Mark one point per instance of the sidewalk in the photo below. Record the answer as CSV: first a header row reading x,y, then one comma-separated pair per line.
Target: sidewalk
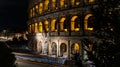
x,y
41,59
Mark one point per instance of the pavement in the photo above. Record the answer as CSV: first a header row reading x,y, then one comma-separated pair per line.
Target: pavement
x,y
57,62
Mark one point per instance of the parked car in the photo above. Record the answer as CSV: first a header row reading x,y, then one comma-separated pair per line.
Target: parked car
x,y
7,59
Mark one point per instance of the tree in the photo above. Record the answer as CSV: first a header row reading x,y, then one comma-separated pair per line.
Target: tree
x,y
107,30
7,59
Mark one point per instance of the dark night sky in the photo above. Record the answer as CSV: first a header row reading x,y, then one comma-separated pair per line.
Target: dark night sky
x,y
13,14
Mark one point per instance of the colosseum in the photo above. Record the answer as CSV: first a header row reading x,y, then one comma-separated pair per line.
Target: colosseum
x,y
57,27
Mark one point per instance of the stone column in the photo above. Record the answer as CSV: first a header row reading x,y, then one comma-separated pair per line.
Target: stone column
x,y
69,49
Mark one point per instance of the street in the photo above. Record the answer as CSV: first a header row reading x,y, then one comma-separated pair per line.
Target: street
x,y
27,63
29,60
21,63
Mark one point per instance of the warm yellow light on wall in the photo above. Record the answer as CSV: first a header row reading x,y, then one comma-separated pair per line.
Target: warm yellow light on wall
x,y
36,9
77,3
90,29
65,30
40,8
36,27
53,25
46,4
73,2
62,24
62,3
77,29
73,24
33,11
73,18
40,27
91,1
86,22
46,26
76,47
53,4
62,19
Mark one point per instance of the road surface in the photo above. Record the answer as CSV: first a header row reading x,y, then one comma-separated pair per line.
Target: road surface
x,y
26,63
27,60
21,63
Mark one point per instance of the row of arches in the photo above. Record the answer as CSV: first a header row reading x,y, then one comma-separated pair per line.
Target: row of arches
x,y
63,24
54,50
48,5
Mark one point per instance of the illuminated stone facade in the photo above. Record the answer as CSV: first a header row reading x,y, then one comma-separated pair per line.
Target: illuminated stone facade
x,y
58,26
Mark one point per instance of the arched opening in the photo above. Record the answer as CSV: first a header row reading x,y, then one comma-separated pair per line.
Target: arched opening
x,y
53,25
46,26
63,49
46,5
75,48
62,3
40,27
45,48
36,9
75,23
63,24
40,8
33,9
86,22
66,26
36,27
39,47
54,4
54,48
91,21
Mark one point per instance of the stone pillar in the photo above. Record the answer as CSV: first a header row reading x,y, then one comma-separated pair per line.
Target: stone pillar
x,y
69,49
49,43
58,49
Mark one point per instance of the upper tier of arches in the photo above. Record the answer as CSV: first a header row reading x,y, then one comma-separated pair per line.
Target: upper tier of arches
x,y
40,7
63,24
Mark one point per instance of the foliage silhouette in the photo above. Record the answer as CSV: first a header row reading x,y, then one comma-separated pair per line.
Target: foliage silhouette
x,y
7,59
106,30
